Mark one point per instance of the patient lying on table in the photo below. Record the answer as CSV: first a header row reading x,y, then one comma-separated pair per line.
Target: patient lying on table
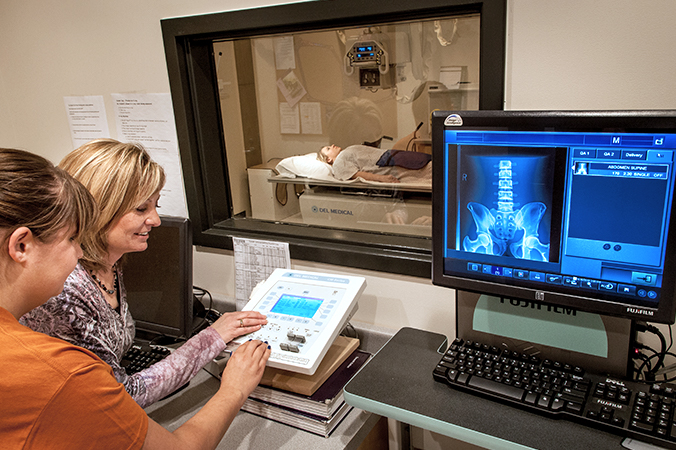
x,y
370,163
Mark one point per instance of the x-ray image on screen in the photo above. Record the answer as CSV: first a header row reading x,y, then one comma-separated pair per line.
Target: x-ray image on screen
x,y
505,201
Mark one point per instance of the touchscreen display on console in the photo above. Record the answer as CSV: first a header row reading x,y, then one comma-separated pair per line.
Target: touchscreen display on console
x,y
293,305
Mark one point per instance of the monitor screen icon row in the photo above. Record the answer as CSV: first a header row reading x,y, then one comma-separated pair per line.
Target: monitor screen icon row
x,y
563,280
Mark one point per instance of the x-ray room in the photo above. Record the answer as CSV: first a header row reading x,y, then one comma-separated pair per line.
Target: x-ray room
x,y
363,96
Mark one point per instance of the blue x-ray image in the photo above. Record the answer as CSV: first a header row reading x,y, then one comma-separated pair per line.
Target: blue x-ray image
x,y
505,198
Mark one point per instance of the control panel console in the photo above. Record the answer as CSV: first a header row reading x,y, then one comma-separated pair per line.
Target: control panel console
x,y
306,311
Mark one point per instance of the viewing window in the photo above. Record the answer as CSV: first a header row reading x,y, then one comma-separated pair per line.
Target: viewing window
x,y
257,95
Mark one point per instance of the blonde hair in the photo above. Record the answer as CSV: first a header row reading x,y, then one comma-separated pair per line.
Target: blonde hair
x,y
36,194
120,177
321,156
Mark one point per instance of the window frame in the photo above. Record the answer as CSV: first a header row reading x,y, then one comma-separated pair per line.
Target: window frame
x,y
188,43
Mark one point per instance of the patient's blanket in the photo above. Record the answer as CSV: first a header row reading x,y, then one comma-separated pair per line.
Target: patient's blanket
x,y
402,158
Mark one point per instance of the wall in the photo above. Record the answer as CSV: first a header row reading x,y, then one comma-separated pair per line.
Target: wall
x,y
561,55
78,47
591,55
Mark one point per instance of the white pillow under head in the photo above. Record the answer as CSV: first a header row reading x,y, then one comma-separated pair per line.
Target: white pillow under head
x,y
305,166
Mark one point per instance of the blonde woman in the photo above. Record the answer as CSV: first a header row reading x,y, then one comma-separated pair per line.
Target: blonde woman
x,y
92,310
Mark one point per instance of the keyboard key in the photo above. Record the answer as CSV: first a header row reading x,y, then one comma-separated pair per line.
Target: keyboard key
x,y
641,426
574,407
531,398
440,370
544,401
496,388
557,404
462,378
451,375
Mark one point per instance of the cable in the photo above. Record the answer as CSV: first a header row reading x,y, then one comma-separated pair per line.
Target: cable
x,y
199,294
350,331
646,363
666,380
646,327
653,329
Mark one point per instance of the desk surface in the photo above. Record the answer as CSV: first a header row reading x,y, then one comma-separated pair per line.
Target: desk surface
x,y
398,383
249,431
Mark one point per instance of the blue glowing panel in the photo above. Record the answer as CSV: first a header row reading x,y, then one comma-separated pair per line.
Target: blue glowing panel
x,y
293,305
505,196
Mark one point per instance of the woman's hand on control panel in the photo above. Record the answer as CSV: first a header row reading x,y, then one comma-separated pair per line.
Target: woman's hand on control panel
x,y
238,323
245,369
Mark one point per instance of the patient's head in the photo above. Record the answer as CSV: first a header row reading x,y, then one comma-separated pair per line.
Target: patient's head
x,y
328,153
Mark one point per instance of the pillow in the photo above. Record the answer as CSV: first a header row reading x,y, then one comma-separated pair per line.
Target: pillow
x,y
305,166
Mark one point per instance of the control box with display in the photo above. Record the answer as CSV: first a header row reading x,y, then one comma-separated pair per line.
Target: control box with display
x,y
306,311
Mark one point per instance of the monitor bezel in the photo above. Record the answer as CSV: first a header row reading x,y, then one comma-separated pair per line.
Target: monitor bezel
x,y
608,121
148,330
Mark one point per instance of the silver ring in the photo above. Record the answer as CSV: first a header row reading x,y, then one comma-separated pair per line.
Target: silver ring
x,y
241,323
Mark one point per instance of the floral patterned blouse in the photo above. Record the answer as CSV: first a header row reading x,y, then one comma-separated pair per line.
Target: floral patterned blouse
x,y
82,316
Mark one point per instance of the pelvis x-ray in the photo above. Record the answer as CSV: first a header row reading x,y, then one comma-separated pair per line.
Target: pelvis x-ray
x,y
504,202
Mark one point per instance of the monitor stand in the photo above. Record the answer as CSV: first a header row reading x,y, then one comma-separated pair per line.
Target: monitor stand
x,y
596,342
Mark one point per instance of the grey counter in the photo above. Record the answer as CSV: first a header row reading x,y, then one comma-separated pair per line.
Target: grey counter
x,y
397,383
252,432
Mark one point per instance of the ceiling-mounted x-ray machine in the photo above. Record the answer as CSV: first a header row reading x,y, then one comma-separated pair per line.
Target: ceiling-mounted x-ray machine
x,y
369,54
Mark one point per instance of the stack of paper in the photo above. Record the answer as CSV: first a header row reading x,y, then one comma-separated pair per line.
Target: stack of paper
x,y
317,410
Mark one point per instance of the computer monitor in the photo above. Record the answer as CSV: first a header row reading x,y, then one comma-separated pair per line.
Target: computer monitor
x,y
574,209
159,282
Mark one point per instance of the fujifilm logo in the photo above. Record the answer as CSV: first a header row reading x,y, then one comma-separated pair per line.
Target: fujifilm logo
x,y
610,404
641,312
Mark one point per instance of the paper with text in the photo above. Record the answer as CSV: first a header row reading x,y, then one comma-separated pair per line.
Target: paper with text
x,y
86,118
149,120
255,260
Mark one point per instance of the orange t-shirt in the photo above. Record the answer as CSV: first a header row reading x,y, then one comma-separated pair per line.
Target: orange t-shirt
x,y
57,395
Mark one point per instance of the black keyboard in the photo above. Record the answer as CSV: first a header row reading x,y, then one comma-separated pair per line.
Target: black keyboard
x,y
628,408
139,357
